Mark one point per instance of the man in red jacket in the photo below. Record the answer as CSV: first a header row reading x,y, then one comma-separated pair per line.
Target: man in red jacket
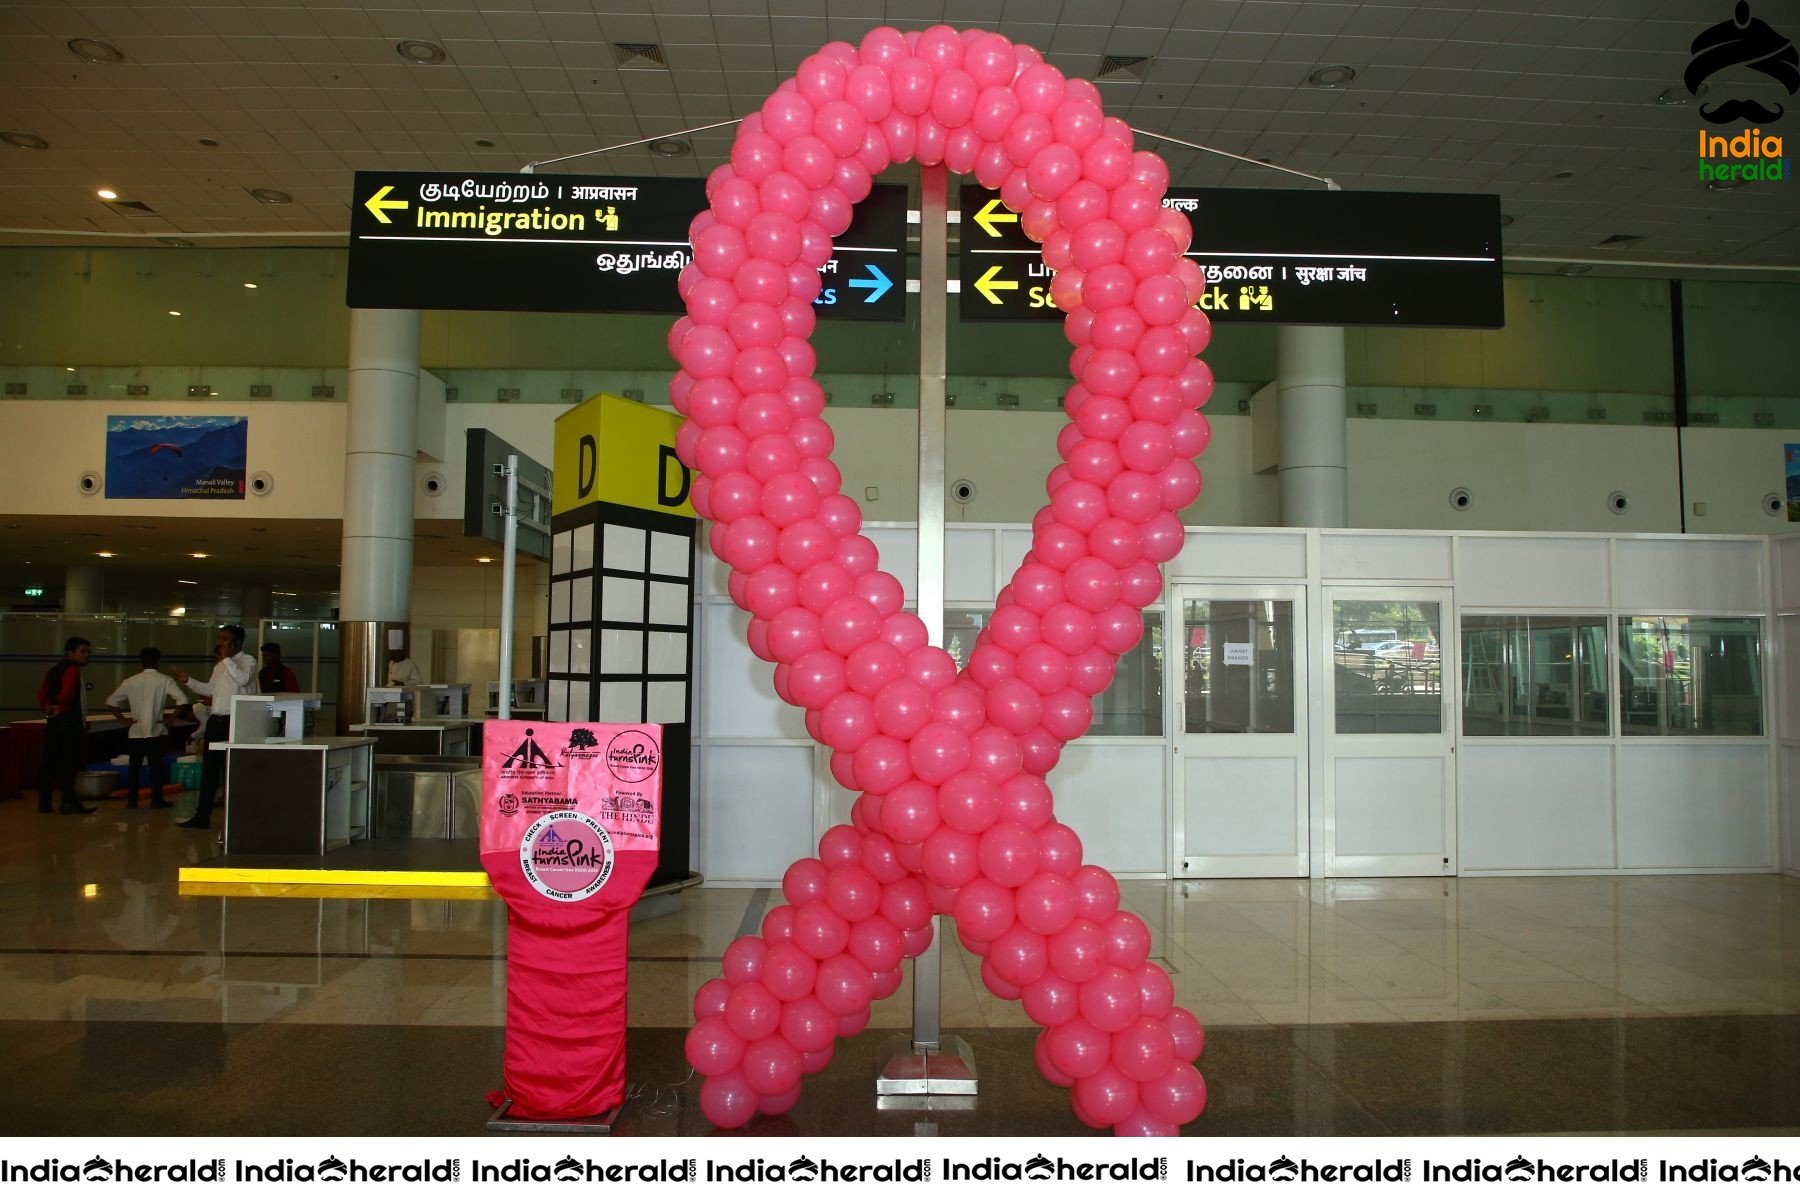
x,y
63,697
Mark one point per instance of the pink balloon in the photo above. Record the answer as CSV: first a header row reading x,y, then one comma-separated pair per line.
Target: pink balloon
x,y
808,1025
995,753
881,764
709,1000
994,981
1019,956
1190,1038
853,893
902,708
1040,1053
728,1100
774,1106
984,909
969,801
1110,1000
1127,940
1059,849
877,944
1046,903
777,927
937,752
712,1047
1008,854
744,959
771,1066
910,812
1107,1095
819,930
789,972
752,1012
1143,1050
1077,1048
1078,951
1096,892
844,986
805,881
1176,1097
951,857
1051,1000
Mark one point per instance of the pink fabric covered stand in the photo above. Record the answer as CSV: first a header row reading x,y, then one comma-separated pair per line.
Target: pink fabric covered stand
x,y
569,835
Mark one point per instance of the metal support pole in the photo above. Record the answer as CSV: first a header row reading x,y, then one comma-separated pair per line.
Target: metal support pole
x,y
509,573
932,1065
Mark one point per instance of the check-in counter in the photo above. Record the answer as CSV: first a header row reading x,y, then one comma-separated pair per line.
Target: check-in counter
x,y
427,796
454,738
297,797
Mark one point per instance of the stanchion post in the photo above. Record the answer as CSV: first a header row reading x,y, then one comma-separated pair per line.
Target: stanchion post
x,y
509,577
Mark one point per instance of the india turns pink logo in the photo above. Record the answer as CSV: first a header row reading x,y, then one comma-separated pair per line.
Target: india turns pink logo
x,y
954,815
566,855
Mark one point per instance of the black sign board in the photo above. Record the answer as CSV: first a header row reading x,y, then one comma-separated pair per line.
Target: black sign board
x,y
484,494
1281,257
567,243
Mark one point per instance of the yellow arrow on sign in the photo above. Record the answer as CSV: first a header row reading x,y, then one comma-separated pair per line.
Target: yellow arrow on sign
x,y
378,201
993,213
988,284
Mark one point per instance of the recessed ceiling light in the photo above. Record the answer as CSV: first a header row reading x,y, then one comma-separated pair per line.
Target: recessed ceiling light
x,y
182,242
249,285
209,141
485,143
23,140
189,582
272,195
95,51
671,147
104,554
107,194
174,312
198,554
484,560
420,53
1574,269
68,368
1334,76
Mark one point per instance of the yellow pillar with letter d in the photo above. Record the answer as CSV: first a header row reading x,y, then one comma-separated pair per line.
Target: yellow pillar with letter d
x,y
612,450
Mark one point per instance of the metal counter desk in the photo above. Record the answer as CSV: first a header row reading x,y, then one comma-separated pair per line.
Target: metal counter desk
x,y
305,797
436,736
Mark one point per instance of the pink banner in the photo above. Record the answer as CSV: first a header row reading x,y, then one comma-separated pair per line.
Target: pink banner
x,y
612,774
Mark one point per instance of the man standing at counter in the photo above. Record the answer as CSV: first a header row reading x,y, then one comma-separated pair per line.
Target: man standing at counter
x,y
63,697
233,674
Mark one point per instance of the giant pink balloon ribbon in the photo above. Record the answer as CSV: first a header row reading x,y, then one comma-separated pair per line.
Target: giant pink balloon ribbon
x,y
954,815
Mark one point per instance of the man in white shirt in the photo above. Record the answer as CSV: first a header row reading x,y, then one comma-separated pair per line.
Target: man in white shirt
x,y
140,700
233,674
403,671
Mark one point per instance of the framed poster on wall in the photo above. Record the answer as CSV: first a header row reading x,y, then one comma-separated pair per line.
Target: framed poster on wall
x,y
176,458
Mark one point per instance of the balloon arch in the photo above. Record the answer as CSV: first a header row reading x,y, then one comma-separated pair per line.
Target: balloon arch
x,y
954,815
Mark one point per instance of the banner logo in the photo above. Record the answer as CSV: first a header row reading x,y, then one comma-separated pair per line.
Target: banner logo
x,y
566,855
631,756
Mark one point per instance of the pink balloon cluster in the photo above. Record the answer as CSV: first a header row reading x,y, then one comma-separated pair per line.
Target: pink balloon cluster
x,y
953,816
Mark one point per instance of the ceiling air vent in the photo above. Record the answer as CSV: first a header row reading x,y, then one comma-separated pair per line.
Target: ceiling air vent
x,y
1620,240
1125,67
639,56
131,208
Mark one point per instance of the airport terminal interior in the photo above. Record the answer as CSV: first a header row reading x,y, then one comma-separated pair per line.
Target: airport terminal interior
x,y
1454,773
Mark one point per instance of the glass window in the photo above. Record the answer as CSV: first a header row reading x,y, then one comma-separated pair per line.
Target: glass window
x,y
1388,666
1238,666
1534,676
1131,707
1691,675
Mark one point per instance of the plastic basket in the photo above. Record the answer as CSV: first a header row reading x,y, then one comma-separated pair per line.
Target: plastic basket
x,y
185,775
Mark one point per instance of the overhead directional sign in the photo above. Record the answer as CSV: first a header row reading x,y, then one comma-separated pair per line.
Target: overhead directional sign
x,y
1281,257
567,243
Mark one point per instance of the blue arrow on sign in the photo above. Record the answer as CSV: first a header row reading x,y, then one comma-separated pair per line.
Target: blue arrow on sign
x,y
878,282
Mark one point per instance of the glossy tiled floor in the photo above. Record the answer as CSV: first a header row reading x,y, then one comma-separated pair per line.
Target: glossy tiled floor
x,y
1303,985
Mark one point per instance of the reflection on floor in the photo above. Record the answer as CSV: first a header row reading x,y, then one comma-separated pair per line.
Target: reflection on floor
x,y
1584,987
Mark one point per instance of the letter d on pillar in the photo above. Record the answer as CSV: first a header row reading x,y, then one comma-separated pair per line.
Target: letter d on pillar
x,y
664,496
588,464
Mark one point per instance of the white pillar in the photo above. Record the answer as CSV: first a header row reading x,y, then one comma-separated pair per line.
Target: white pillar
x,y
380,446
84,590
1310,381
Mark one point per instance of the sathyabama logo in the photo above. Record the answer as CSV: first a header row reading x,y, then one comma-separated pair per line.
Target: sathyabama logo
x,y
1745,41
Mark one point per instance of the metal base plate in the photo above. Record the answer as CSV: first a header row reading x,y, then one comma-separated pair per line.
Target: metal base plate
x,y
601,1125
945,1070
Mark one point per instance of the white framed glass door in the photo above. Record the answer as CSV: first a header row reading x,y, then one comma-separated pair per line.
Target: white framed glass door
x,y
1387,762
1238,707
